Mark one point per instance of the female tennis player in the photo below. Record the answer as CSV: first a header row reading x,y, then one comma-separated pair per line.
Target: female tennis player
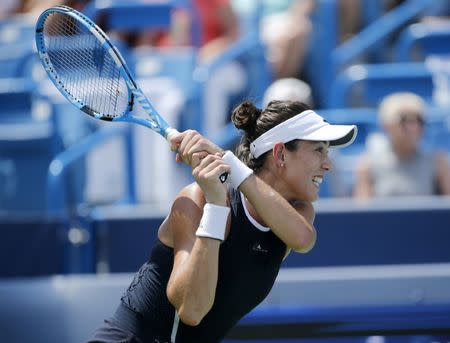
x,y
220,248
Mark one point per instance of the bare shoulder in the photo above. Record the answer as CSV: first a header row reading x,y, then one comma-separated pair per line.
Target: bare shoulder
x,y
192,194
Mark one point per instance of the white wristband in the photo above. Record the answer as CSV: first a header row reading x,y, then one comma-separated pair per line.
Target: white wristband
x,y
213,222
239,171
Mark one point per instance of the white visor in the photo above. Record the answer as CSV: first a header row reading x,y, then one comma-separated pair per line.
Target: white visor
x,y
308,126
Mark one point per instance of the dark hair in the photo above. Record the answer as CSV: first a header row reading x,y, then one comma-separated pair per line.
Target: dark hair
x,y
254,122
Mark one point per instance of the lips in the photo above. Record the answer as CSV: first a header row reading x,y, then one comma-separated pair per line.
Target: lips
x,y
317,180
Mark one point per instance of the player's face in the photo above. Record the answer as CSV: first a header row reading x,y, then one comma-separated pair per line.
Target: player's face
x,y
305,169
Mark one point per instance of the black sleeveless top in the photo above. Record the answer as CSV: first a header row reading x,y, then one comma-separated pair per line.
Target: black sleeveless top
x,y
249,261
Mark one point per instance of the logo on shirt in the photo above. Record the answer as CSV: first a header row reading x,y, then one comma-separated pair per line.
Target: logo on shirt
x,y
258,248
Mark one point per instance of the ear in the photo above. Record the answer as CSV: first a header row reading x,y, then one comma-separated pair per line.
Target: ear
x,y
278,154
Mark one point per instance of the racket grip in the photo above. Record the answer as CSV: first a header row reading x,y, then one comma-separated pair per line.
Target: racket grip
x,y
170,132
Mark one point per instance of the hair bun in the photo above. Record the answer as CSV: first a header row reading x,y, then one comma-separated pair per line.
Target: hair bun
x,y
244,117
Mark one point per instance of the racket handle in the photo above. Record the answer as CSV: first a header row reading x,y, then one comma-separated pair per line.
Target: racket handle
x,y
170,132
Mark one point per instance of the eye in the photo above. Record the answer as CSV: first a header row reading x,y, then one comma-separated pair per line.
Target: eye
x,y
322,150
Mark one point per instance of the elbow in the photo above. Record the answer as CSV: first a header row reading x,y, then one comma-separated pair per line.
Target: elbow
x,y
190,313
305,241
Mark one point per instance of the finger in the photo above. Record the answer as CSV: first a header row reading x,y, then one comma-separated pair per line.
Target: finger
x,y
218,170
203,144
189,149
208,159
190,139
207,165
204,165
197,158
188,135
176,140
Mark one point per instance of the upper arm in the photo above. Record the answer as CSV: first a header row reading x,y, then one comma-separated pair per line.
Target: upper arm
x,y
183,221
306,209
363,182
443,173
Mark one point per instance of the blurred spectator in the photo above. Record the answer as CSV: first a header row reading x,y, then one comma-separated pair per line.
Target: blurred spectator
x,y
38,6
351,14
211,25
12,7
288,89
8,7
285,28
349,18
394,164
219,26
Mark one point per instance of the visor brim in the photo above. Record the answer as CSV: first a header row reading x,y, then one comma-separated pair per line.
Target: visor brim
x,y
339,136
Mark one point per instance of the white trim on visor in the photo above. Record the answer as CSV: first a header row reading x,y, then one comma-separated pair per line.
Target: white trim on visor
x,y
308,126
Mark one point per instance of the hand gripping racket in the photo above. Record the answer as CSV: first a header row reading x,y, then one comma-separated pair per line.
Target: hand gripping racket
x,y
89,71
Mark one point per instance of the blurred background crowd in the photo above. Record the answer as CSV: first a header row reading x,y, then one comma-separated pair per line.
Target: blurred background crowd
x,y
384,65
197,59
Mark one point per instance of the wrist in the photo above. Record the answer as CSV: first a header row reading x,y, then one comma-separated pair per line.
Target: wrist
x,y
220,203
217,198
239,171
214,222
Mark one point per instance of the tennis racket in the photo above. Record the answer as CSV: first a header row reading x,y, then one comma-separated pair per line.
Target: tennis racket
x,y
89,71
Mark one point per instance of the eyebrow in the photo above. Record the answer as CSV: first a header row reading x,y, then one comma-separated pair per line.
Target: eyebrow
x,y
326,143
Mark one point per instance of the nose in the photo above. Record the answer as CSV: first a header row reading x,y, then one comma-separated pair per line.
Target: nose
x,y
327,165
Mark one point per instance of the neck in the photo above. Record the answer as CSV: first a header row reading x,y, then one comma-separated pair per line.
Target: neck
x,y
272,178
403,151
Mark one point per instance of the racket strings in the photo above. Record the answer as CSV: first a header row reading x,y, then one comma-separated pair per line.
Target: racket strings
x,y
84,67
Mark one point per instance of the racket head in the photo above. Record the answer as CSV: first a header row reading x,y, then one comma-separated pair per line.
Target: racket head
x,y
83,64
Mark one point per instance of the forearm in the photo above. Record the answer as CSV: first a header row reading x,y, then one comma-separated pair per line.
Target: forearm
x,y
282,218
363,191
363,187
443,173
192,288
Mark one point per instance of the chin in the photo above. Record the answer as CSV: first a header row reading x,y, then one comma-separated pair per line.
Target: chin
x,y
310,197
314,198
314,195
